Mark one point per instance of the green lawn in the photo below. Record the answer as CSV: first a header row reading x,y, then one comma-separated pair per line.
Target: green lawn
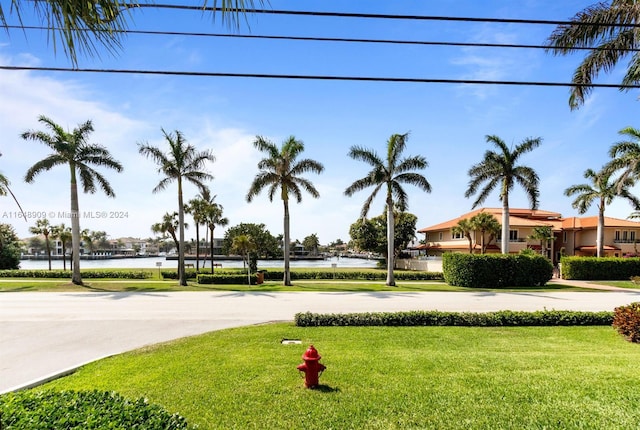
x,y
386,378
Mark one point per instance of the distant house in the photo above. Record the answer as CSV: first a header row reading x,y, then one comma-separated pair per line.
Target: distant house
x,y
572,236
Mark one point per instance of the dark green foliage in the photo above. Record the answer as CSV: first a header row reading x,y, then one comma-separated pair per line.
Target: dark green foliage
x,y
225,279
371,234
626,319
604,268
275,275
93,274
496,270
83,410
173,274
464,319
9,248
267,245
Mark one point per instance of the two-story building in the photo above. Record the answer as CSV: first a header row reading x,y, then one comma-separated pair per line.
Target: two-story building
x,y
571,236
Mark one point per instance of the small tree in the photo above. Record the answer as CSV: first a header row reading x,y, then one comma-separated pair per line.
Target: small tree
x,y
9,248
544,234
244,245
464,227
44,228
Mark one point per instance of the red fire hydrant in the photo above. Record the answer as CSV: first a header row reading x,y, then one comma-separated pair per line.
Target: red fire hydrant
x,y
311,367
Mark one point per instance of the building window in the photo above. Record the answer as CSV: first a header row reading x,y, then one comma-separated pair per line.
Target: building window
x,y
632,236
625,236
564,236
513,235
617,236
440,236
457,235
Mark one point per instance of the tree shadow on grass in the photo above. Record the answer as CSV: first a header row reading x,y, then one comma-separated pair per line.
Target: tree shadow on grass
x,y
17,289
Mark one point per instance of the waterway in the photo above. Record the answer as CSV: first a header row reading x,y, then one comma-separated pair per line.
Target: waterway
x,y
154,262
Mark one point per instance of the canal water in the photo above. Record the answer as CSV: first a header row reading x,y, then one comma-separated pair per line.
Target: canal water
x,y
154,262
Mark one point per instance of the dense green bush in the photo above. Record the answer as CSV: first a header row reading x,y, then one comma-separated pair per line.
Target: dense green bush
x,y
89,274
496,270
173,274
361,275
604,268
626,319
225,279
83,410
466,319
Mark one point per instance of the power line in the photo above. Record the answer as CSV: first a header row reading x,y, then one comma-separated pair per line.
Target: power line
x,y
376,16
333,39
315,77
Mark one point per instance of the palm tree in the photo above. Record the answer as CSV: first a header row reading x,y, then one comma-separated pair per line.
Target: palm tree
x,y
544,234
4,190
63,234
212,217
74,150
168,226
601,190
500,169
485,223
464,227
78,25
625,156
389,173
182,163
311,243
610,30
243,245
281,170
196,207
44,228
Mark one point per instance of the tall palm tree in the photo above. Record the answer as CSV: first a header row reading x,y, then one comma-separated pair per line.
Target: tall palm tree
x,y
389,173
182,163
485,223
82,26
43,227
212,218
281,170
464,227
499,168
73,150
168,226
63,234
609,44
601,190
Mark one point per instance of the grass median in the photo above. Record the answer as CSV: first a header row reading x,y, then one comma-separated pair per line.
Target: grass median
x,y
385,378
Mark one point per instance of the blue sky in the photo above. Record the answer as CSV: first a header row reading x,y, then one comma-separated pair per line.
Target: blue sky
x,y
447,122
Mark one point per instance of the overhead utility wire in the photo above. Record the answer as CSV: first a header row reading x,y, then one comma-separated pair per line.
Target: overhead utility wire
x,y
375,15
315,77
336,39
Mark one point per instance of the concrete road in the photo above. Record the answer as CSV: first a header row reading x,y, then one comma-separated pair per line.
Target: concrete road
x,y
45,334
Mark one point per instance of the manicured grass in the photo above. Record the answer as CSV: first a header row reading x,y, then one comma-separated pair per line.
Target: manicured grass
x,y
385,378
619,284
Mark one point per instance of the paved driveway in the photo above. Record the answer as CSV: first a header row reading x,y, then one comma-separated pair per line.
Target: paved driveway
x,y
45,334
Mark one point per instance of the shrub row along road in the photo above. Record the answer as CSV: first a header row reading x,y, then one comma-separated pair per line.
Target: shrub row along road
x,y
45,334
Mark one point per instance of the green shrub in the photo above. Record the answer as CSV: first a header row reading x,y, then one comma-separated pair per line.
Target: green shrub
x,y
604,268
496,270
626,320
225,279
360,275
173,274
89,274
466,319
82,410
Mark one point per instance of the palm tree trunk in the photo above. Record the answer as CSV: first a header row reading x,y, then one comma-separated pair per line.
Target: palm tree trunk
x,y
600,230
64,256
76,278
505,224
390,242
197,247
211,228
287,275
46,239
181,275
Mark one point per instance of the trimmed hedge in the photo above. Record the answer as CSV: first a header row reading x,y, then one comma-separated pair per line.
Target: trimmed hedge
x,y
496,270
626,320
72,410
364,275
464,319
89,274
604,268
225,279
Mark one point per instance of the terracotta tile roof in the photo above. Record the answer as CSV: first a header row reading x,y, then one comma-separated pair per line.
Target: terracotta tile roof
x,y
517,218
592,222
